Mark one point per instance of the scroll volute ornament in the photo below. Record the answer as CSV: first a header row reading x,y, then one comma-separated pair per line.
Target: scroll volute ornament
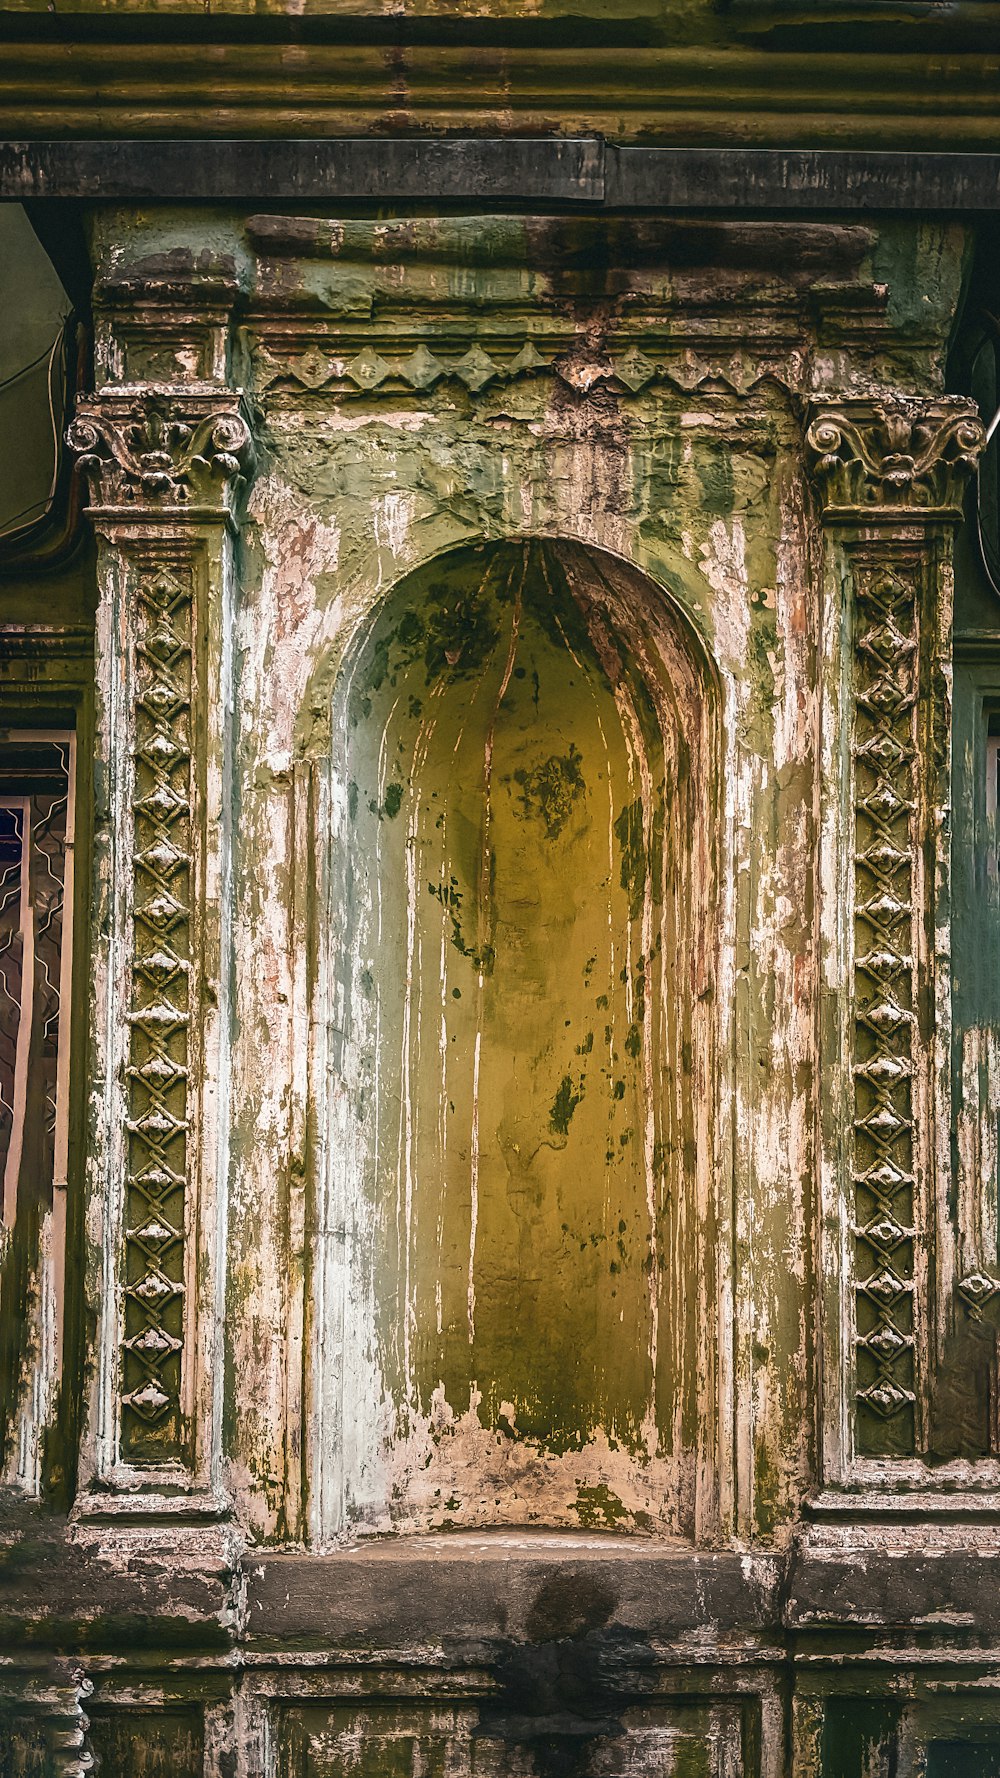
x,y
151,450
904,457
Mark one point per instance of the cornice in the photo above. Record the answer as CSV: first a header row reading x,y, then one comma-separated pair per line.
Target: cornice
x,y
168,452
475,164
65,84
894,459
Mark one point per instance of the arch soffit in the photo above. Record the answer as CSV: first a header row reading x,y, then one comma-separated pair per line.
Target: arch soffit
x,y
670,575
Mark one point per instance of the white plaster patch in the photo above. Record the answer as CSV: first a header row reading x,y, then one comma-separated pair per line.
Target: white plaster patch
x,y
724,565
392,515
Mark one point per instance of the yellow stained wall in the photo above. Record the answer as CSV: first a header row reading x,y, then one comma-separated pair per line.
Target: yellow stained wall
x,y
525,901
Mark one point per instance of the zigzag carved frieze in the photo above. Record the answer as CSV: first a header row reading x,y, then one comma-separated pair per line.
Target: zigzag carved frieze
x,y
313,369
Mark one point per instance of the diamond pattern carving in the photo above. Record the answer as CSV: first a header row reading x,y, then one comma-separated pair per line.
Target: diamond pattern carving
x,y
422,368
976,1290
890,475
884,812
166,467
159,1017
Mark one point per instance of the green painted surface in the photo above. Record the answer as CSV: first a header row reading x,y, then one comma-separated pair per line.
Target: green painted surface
x,y
975,849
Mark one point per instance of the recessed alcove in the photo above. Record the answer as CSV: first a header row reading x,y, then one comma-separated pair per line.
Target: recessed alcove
x,y
515,1289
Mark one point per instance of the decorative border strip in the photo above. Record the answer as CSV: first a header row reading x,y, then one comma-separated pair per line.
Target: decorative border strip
x,y
160,1015
885,804
311,369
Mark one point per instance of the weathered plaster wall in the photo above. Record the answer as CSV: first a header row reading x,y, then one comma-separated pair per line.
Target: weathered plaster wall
x,y
622,412
564,473
693,473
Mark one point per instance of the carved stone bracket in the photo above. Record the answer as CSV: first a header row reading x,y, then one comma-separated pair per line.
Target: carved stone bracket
x,y
152,450
891,478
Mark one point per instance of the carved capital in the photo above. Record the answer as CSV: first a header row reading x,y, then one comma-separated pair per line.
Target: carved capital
x,y
163,451
900,458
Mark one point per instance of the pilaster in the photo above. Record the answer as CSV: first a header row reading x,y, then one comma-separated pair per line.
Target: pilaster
x,y
890,478
165,465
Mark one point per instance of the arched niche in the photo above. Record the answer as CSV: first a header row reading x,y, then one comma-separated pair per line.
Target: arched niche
x,y
516,1283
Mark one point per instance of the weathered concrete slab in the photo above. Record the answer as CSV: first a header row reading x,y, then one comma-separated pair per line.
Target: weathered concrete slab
x,y
467,1595
570,170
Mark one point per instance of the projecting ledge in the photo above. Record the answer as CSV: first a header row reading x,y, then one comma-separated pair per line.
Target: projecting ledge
x,y
928,1574
466,1598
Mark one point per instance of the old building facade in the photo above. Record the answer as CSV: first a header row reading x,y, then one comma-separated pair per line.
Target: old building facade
x,y
500,921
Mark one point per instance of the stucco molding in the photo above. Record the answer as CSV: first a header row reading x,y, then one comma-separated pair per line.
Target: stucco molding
x,y
167,465
905,456
891,475
163,666
159,1018
886,793
160,450
308,371
878,463
45,1698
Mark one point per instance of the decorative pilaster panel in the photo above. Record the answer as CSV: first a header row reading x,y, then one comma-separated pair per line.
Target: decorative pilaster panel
x,y
164,472
890,477
886,798
160,1014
